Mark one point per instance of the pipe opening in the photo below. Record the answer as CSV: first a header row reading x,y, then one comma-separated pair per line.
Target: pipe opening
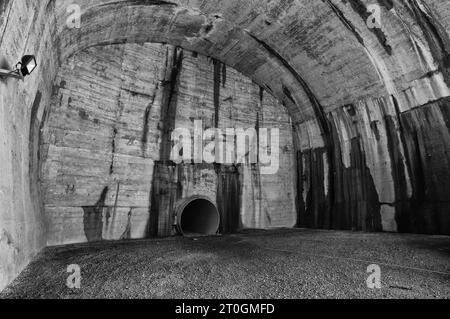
x,y
198,217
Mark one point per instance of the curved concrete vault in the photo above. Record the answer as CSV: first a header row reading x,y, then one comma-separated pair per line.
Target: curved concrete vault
x,y
370,106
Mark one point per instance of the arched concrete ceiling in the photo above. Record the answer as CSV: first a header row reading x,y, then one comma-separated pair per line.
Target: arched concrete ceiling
x,y
208,34
313,55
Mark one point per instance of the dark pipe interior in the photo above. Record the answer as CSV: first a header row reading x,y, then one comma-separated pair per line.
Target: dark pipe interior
x,y
199,217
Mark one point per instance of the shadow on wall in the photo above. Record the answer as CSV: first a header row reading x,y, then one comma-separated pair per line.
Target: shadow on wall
x,y
4,64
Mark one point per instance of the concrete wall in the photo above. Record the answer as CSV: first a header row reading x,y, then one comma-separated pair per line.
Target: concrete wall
x,y
369,106
106,173
22,104
391,169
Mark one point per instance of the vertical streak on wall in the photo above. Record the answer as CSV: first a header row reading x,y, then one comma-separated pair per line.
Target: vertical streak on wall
x,y
34,142
165,173
299,202
224,75
118,115
356,204
255,168
169,99
113,150
144,138
313,210
400,183
229,197
400,169
217,70
428,153
229,182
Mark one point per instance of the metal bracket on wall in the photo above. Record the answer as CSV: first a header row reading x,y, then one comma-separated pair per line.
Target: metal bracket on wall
x,y
5,74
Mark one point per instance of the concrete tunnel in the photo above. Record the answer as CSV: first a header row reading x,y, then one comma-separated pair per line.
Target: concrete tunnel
x,y
197,216
363,115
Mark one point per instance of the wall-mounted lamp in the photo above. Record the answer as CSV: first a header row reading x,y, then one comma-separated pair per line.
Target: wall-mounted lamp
x,y
25,67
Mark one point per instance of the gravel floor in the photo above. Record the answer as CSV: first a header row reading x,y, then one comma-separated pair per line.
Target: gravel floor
x,y
275,264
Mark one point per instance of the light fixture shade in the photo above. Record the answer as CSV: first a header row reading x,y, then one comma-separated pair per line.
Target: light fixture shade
x,y
28,64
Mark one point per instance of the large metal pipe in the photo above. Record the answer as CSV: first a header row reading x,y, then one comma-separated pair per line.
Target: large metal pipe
x,y
197,216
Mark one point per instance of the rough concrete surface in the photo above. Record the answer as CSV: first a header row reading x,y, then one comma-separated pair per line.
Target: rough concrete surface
x,y
367,108
254,264
104,144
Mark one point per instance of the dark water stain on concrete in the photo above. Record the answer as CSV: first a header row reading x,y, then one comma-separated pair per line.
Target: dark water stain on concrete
x,y
167,189
351,202
256,182
288,94
229,197
93,218
154,209
375,130
224,74
144,138
311,179
257,193
113,151
164,170
404,209
34,141
356,205
299,202
35,106
428,156
445,110
174,63
216,92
